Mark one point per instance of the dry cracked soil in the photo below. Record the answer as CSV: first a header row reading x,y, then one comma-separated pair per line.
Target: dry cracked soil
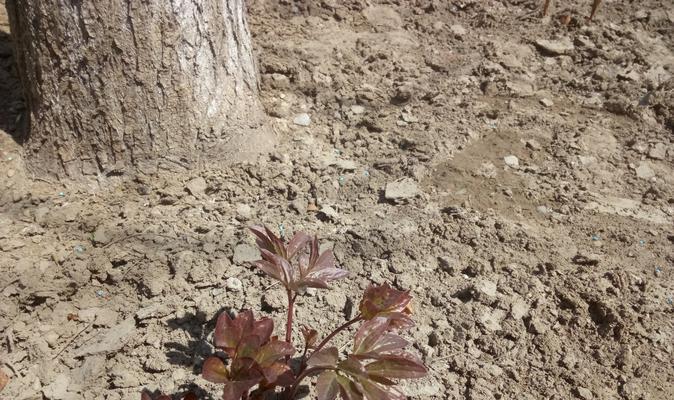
x,y
515,173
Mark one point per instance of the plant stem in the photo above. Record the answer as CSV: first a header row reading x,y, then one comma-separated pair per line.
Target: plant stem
x,y
334,333
291,311
289,321
292,391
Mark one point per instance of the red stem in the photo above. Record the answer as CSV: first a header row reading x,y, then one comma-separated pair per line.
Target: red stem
x,y
296,385
325,341
289,322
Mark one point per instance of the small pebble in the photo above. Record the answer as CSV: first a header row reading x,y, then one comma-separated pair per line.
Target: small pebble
x,y
511,161
302,119
234,284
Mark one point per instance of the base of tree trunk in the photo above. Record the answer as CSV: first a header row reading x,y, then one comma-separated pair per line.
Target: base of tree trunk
x,y
125,87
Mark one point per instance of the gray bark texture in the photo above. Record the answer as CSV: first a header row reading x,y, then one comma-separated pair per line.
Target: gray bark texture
x,y
118,87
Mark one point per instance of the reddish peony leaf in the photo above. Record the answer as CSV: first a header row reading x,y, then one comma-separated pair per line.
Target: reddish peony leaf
x,y
325,260
144,395
266,240
296,244
383,300
214,370
327,387
243,369
348,389
278,373
310,336
352,366
327,274
190,396
327,357
248,347
263,328
284,267
402,366
374,391
271,269
373,339
272,351
235,390
228,333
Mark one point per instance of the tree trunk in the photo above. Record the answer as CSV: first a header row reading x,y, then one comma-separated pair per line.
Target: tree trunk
x,y
123,86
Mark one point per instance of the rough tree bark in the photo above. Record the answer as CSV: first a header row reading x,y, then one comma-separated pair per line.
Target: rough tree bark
x,y
124,86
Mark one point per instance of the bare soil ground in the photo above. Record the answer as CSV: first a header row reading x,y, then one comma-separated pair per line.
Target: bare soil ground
x,y
516,174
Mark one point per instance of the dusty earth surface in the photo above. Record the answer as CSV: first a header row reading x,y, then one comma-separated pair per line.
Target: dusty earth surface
x,y
516,174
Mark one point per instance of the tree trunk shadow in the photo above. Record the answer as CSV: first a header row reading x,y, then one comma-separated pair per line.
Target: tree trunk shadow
x,y
13,118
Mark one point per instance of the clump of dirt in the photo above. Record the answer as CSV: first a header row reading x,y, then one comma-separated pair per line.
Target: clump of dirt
x,y
515,174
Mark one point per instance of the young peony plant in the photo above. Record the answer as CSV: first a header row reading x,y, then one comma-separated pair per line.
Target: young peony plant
x,y
258,365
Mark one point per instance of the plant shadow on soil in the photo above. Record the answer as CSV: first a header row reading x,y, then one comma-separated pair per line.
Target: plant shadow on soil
x,y
197,348
195,351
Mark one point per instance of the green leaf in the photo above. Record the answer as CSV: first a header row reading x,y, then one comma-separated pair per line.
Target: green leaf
x,y
327,387
214,370
248,347
326,357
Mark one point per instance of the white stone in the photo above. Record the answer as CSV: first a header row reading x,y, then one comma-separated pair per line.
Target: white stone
x,y
196,186
458,30
302,119
234,284
644,171
555,47
245,253
401,190
511,161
